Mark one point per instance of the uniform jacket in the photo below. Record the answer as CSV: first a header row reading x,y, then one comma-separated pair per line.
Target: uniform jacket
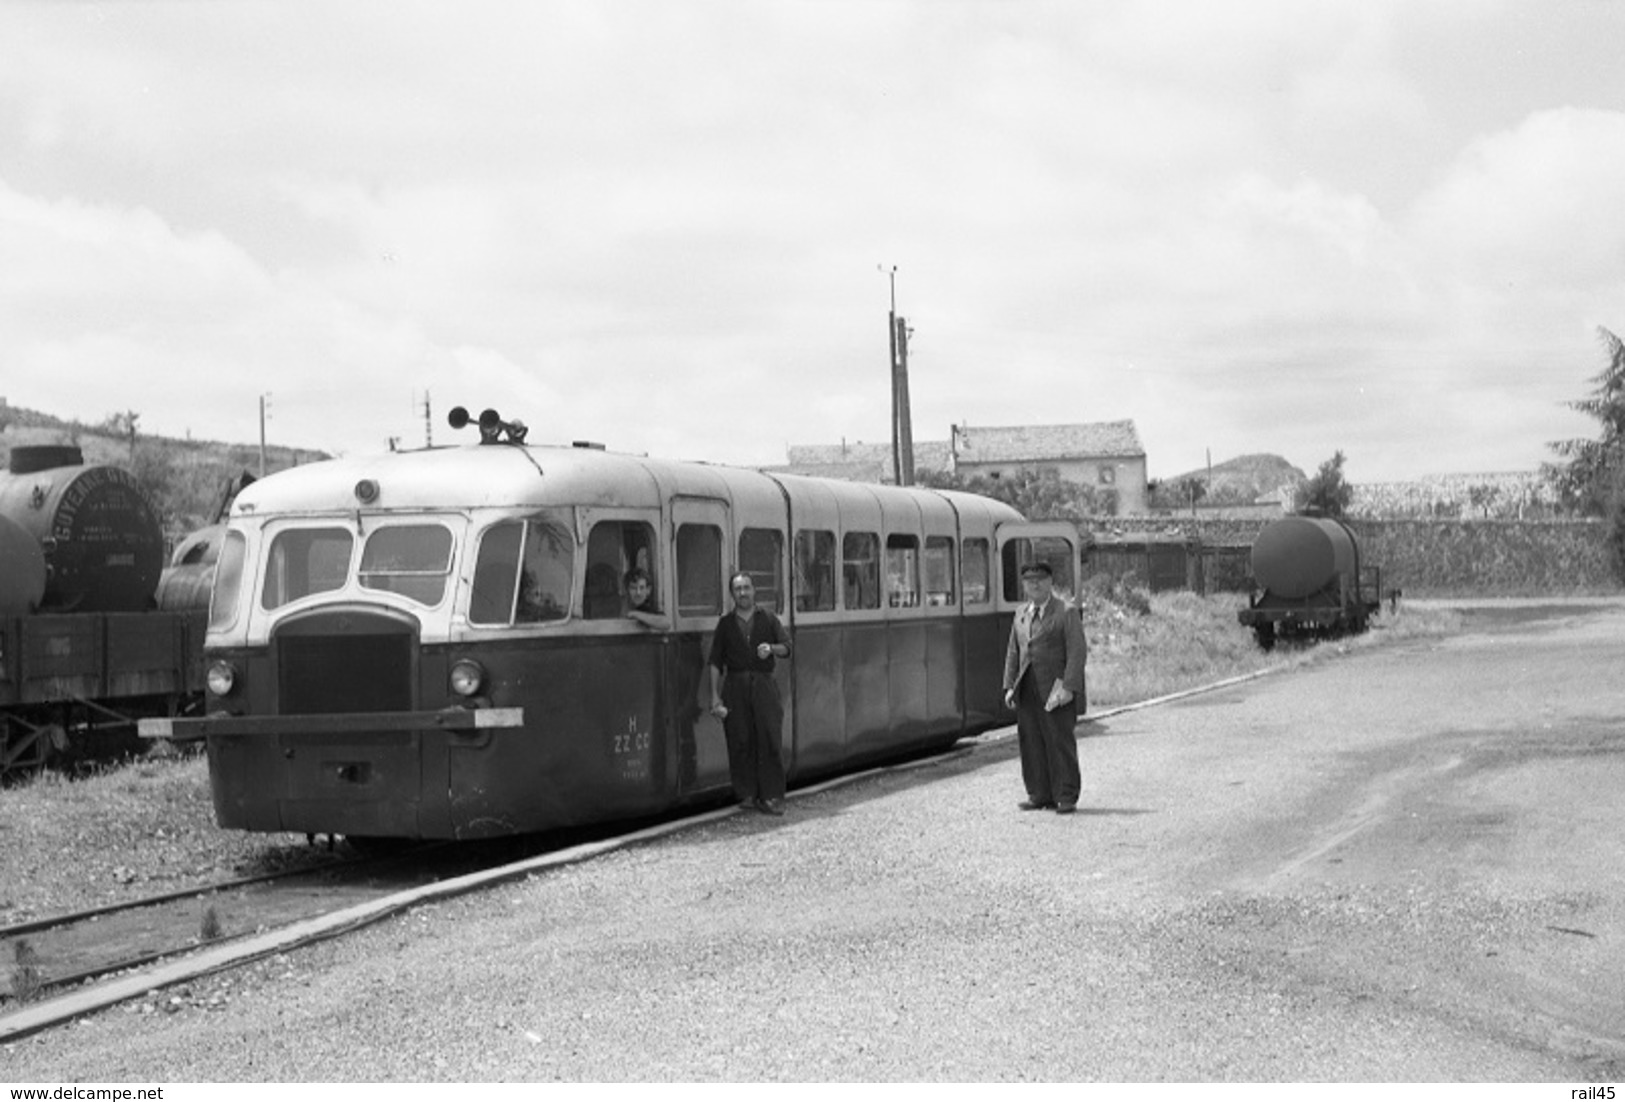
x,y
1053,647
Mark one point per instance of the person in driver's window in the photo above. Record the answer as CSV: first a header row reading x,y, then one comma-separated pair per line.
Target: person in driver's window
x,y
640,602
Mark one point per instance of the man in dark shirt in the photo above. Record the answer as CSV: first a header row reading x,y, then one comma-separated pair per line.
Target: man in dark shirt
x,y
745,698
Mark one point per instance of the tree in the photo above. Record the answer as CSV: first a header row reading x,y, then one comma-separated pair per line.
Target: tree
x,y
1190,491
1589,481
1326,492
1592,481
1036,494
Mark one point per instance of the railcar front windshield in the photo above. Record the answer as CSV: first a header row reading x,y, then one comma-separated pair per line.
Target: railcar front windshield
x,y
413,560
304,562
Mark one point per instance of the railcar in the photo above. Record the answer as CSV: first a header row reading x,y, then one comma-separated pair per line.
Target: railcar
x,y
83,650
1309,581
433,644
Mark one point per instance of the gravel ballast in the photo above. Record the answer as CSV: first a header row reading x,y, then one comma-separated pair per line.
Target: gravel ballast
x,y
1243,896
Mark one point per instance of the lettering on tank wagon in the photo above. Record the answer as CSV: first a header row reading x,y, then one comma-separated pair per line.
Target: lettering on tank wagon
x,y
632,751
92,480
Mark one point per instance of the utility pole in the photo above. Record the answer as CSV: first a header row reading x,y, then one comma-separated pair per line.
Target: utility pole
x,y
265,405
428,422
905,422
130,418
902,431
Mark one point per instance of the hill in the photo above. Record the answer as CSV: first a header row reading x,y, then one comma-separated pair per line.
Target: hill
x,y
186,479
1242,480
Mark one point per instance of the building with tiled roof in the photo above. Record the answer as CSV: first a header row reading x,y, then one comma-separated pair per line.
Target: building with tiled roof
x,y
860,462
1106,455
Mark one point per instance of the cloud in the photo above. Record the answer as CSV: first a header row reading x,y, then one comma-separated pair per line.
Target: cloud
x,y
1267,226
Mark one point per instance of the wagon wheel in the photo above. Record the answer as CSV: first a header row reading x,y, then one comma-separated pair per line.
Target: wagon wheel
x,y
24,749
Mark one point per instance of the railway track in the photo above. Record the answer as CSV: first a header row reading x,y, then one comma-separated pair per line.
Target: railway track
x,y
85,970
91,960
44,955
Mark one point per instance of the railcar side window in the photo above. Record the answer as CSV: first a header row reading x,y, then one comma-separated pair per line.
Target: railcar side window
x,y
228,582
761,556
548,568
815,571
303,561
524,571
613,548
413,560
860,570
699,570
903,571
1051,549
939,570
975,563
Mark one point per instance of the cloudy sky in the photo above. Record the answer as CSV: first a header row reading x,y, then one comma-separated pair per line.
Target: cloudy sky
x,y
1389,228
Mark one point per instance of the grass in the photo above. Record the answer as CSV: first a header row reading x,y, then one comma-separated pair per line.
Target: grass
x,y
1183,640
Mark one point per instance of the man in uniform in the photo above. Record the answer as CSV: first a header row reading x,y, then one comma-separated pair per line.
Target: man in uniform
x,y
1043,682
746,699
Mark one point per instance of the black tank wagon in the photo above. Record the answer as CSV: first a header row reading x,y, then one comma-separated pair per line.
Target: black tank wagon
x,y
1309,581
432,644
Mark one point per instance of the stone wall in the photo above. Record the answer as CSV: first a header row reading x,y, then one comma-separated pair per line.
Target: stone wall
x,y
1439,558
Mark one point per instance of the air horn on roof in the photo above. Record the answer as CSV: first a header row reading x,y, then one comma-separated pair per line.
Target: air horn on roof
x,y
492,427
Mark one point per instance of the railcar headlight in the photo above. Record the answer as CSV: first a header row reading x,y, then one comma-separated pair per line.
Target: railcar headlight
x,y
467,677
222,678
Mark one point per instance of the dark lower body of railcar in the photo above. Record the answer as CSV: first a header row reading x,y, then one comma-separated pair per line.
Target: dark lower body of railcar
x,y
613,727
1323,615
73,685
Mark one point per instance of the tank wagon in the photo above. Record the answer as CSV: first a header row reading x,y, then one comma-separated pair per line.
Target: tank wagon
x,y
83,649
433,644
102,539
1308,580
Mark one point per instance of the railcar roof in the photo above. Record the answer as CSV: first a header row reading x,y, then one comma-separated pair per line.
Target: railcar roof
x,y
503,475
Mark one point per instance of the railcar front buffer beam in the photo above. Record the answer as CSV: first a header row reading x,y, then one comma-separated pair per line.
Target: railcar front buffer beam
x,y
468,720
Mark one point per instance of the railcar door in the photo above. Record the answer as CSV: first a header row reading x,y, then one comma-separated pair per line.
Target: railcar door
x,y
1054,542
1024,542
700,538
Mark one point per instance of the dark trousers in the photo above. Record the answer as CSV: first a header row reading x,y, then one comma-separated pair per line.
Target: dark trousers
x,y
754,726
1049,745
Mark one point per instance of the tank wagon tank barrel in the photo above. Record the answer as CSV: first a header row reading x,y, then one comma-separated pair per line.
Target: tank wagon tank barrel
x,y
22,569
1309,580
101,538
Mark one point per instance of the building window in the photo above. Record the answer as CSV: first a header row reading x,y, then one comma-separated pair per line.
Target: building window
x,y
1108,476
